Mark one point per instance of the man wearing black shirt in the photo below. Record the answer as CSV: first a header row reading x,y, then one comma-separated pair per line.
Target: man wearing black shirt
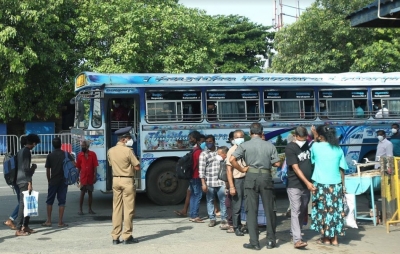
x,y
299,182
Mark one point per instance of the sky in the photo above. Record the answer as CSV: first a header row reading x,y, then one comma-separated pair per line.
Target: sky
x,y
258,11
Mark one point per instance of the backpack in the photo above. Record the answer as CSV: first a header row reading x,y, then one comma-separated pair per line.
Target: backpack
x,y
222,171
184,166
71,173
10,168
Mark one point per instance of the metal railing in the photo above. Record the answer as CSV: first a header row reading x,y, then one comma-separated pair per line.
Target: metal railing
x,y
9,144
45,146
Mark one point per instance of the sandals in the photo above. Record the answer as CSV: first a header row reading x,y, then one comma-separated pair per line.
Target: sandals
x,y
47,225
300,244
197,220
180,214
230,230
63,225
28,230
320,242
91,212
9,223
21,233
81,213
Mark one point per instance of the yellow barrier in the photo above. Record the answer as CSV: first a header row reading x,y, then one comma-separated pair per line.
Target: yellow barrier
x,y
390,190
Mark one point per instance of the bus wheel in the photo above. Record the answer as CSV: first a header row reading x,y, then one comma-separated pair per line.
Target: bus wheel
x,y
162,185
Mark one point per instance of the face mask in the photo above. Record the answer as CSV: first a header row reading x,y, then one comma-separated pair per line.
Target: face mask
x,y
380,138
322,105
129,142
238,141
210,145
84,149
394,130
203,145
219,158
300,143
116,105
376,107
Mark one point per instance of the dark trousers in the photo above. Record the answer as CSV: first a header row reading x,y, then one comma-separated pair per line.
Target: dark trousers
x,y
21,220
256,184
228,204
237,202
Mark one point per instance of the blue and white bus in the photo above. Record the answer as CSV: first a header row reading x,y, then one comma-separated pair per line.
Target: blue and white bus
x,y
164,108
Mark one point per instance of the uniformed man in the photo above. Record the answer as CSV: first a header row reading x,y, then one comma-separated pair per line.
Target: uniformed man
x,y
260,156
123,162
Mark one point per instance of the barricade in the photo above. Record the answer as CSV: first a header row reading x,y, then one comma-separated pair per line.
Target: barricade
x,y
390,190
9,144
45,147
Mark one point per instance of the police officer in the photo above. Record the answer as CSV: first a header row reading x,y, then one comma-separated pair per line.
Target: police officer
x,y
123,163
260,156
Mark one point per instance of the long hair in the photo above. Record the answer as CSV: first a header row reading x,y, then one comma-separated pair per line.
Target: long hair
x,y
329,133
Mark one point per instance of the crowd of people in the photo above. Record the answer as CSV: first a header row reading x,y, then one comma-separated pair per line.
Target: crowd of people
x,y
315,171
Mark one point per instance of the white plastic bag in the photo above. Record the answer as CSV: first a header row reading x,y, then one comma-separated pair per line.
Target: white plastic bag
x,y
350,219
31,204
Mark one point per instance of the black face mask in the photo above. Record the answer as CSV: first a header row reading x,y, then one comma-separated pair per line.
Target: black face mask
x,y
84,149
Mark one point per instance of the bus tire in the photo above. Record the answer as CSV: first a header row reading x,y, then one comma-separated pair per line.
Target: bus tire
x,y
163,186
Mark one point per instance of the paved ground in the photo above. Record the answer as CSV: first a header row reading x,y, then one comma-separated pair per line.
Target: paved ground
x,y
160,231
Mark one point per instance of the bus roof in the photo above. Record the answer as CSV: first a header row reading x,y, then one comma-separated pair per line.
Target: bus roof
x,y
97,80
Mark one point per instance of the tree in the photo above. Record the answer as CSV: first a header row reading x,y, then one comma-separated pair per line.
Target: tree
x,y
241,45
145,36
322,41
37,52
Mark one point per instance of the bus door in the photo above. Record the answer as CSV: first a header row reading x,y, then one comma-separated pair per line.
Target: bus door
x,y
122,111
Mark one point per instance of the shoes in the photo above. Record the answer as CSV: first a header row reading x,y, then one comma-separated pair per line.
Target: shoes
x,y
130,240
300,244
9,223
115,242
238,232
212,223
21,233
271,245
244,229
224,225
251,246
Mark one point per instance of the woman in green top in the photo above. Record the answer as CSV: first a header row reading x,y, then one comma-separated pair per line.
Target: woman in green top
x,y
327,216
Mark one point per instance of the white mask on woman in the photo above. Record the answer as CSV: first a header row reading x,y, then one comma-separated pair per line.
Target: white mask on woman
x,y
129,142
380,138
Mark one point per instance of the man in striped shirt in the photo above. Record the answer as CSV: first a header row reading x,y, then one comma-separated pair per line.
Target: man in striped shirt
x,y
208,172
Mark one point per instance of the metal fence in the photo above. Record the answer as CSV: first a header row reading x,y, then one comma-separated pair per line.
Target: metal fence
x,y
12,143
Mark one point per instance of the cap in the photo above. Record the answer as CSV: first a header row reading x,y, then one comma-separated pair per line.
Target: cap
x,y
124,132
230,137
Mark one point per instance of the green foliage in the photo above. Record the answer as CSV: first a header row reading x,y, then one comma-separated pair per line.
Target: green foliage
x,y
322,41
37,56
240,45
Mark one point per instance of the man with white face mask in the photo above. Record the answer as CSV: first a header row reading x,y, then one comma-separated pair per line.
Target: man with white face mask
x,y
299,182
123,163
384,148
395,139
236,182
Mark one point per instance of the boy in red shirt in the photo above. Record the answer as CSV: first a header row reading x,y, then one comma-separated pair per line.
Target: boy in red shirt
x,y
87,165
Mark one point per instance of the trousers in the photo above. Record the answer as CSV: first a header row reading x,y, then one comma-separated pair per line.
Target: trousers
x,y
21,220
124,193
299,199
237,202
256,184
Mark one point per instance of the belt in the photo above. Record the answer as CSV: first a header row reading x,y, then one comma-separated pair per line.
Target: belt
x,y
259,170
124,176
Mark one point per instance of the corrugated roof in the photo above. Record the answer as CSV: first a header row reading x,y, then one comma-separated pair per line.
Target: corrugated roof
x,y
372,5
368,16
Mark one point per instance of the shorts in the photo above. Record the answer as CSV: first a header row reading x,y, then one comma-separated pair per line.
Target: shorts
x,y
87,187
60,190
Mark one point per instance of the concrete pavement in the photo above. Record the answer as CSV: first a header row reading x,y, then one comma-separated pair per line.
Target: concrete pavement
x,y
159,230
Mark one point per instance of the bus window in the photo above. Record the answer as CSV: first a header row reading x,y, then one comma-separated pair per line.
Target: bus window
x,y
360,107
96,118
173,106
386,103
289,104
232,105
82,112
342,104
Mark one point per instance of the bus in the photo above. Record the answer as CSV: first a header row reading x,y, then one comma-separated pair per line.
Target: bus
x,y
163,109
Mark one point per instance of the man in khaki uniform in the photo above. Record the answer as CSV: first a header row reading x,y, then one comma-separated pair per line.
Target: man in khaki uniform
x,y
123,163
236,182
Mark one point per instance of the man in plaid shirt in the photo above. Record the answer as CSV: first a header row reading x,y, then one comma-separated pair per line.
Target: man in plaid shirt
x,y
209,164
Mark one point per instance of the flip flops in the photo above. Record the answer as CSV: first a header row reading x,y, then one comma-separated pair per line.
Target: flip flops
x,y
81,213
197,220
47,225
63,225
180,214
91,212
